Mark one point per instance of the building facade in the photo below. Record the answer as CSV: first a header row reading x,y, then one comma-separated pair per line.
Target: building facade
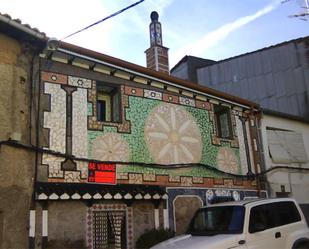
x,y
110,149
17,52
286,150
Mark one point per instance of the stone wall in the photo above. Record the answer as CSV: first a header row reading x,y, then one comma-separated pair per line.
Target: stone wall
x,y
16,165
143,213
66,223
15,195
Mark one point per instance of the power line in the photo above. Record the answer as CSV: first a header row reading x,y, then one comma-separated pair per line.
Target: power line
x,y
32,148
105,18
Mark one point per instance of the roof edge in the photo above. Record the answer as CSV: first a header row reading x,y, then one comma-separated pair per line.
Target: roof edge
x,y
157,75
285,115
24,28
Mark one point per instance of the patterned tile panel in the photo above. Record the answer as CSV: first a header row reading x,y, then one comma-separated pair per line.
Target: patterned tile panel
x,y
172,135
79,82
79,123
203,105
54,78
55,120
54,165
187,101
170,98
128,90
152,94
242,149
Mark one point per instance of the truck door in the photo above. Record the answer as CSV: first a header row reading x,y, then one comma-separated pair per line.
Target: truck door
x,y
263,231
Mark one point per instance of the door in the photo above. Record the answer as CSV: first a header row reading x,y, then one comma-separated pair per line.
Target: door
x,y
263,231
109,230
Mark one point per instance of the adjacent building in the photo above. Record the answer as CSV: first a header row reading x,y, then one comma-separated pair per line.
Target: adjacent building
x,y
276,77
286,149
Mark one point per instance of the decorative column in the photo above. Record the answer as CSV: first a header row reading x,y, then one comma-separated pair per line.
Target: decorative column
x,y
166,224
32,229
68,164
156,204
44,226
156,218
243,121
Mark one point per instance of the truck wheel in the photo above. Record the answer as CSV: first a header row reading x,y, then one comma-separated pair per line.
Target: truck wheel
x,y
302,245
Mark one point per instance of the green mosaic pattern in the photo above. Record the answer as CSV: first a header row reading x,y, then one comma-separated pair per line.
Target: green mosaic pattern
x,y
89,109
137,113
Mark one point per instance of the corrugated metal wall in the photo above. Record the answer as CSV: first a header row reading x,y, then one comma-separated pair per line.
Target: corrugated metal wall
x,y
277,77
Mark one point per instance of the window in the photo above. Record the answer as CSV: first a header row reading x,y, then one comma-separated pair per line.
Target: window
x,y
286,146
108,103
223,121
272,215
218,220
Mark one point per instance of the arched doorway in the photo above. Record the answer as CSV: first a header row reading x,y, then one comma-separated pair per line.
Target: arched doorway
x,y
184,209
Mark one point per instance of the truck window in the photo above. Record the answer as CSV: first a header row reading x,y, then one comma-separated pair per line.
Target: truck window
x,y
218,220
272,215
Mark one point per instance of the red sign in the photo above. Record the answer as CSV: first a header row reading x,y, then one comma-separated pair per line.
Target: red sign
x,y
102,173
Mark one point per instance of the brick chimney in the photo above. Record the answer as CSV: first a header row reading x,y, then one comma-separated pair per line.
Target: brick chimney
x,y
156,55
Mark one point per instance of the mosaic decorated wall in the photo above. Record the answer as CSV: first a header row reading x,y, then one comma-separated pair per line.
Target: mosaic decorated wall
x,y
157,127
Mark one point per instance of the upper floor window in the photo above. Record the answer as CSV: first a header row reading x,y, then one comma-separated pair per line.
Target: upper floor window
x,y
223,120
108,103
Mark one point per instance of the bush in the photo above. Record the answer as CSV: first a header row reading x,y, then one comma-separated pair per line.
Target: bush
x,y
153,237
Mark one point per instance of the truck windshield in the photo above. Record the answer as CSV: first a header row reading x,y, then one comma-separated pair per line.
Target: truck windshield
x,y
218,220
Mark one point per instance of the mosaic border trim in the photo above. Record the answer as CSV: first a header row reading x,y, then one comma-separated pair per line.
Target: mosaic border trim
x,y
214,136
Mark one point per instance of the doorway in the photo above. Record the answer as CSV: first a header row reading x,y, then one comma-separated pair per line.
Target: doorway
x,y
109,229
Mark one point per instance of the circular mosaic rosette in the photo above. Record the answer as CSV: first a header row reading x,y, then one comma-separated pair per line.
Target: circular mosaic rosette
x,y
227,160
110,147
172,135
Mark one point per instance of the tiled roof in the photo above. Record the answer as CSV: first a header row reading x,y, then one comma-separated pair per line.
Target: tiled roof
x,y
7,18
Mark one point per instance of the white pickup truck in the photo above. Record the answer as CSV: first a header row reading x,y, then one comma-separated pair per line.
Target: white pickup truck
x,y
262,223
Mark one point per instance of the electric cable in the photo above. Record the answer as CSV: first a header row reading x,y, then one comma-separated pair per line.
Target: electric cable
x,y
141,164
104,19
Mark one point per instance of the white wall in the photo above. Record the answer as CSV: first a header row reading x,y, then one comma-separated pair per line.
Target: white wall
x,y
295,182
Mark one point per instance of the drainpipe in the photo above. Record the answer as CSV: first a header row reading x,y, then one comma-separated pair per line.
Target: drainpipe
x,y
253,149
261,150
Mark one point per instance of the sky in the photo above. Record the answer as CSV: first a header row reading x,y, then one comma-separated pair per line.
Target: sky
x,y
210,29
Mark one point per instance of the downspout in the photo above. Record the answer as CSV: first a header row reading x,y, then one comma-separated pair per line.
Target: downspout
x,y
244,130
261,151
253,150
35,80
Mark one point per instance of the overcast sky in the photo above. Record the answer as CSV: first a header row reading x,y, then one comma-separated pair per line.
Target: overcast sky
x,y
212,29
